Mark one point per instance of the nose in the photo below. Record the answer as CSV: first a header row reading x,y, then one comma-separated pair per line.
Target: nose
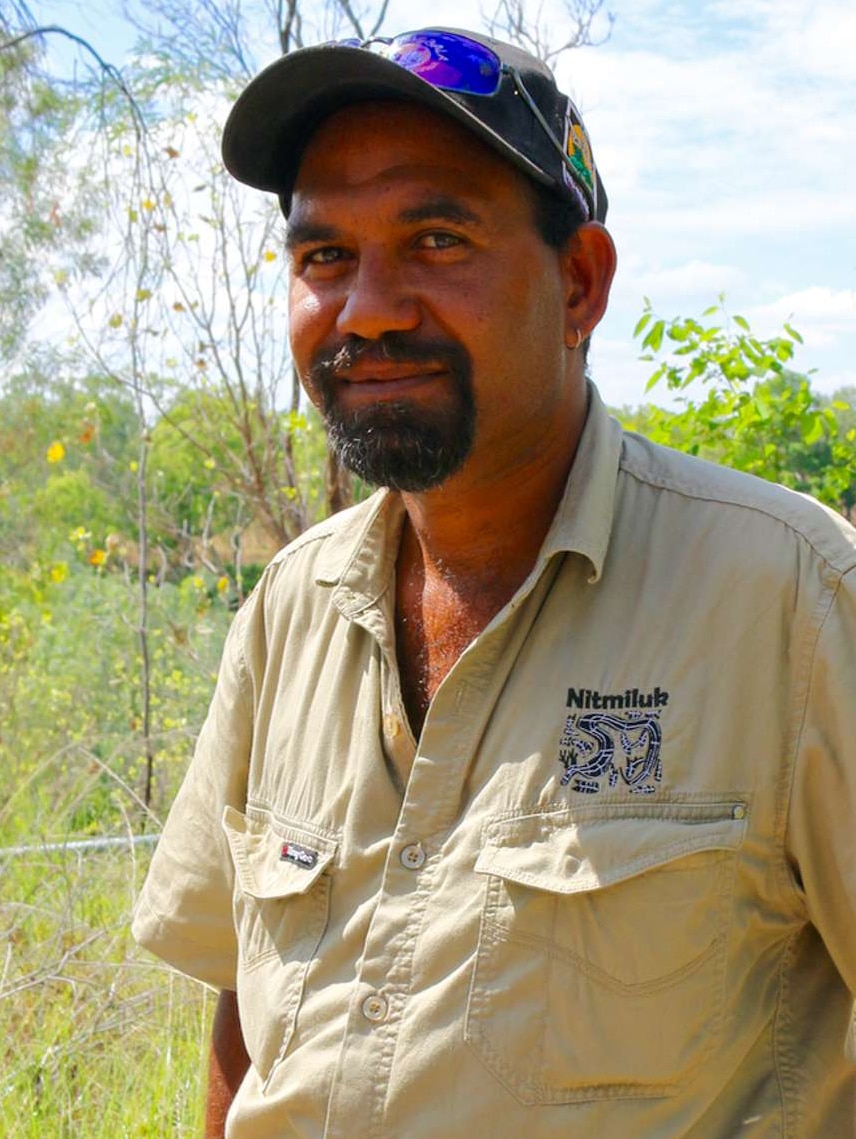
x,y
378,300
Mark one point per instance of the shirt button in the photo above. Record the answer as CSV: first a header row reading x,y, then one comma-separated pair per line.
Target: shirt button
x,y
738,812
413,856
375,1008
391,727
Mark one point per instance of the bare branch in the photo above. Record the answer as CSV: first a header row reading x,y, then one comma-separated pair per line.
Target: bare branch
x,y
352,18
514,20
107,69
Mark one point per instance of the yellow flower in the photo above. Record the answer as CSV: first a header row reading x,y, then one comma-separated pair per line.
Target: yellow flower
x,y
222,584
59,571
56,452
97,558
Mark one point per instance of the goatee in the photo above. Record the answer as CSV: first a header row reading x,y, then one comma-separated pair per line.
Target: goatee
x,y
401,444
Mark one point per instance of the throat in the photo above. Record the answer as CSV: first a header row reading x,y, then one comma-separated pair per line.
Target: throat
x,y
428,645
435,621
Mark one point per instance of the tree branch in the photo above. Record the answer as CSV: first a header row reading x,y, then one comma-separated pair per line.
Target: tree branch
x,y
108,69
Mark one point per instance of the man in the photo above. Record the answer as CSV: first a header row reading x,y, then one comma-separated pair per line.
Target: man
x,y
525,801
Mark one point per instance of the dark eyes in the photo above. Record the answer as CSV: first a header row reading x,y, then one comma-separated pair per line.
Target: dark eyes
x,y
440,240
327,255
332,255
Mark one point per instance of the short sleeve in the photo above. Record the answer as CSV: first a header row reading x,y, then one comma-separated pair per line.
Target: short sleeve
x,y
822,825
184,913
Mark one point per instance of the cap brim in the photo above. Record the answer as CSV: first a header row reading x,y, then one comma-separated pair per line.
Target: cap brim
x,y
274,117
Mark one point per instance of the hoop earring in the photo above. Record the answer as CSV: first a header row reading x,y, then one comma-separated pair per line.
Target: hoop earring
x,y
574,347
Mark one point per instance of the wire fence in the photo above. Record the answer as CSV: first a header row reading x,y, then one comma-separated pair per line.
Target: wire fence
x,y
78,845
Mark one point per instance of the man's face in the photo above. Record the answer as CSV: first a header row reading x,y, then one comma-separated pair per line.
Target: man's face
x,y
426,313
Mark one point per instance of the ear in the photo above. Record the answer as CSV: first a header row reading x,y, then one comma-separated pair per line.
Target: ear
x,y
588,264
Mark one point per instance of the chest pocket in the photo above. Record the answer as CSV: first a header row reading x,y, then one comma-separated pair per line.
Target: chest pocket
x,y
602,949
281,906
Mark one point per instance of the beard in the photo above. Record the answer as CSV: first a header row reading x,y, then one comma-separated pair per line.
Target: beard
x,y
398,443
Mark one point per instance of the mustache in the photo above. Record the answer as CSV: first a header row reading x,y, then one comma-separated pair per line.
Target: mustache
x,y
391,347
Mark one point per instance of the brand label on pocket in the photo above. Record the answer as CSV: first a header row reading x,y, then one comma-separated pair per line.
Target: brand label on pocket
x,y
299,855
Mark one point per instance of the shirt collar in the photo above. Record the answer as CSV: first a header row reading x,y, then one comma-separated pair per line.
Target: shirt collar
x,y
360,562
583,522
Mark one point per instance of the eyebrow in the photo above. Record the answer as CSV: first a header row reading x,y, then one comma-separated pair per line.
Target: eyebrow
x,y
436,209
301,232
441,209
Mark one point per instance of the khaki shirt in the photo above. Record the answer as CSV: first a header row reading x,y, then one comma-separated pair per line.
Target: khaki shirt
x,y
611,890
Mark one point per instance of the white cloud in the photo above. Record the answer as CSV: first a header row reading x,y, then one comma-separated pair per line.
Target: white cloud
x,y
690,281
828,44
822,316
725,121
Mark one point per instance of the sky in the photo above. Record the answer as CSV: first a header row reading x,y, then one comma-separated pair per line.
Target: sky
x,y
725,133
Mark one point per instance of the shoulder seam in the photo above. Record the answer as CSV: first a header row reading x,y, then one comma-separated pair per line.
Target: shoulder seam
x,y
301,542
757,508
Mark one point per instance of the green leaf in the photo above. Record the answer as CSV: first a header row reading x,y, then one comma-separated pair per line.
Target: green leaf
x,y
794,335
641,324
655,378
763,404
742,322
654,339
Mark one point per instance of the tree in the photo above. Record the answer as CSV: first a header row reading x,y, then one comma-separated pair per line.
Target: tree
x,y
756,413
168,276
64,450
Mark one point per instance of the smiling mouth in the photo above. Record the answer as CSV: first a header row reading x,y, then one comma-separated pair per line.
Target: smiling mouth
x,y
388,384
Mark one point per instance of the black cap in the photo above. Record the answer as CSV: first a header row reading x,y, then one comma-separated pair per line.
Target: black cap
x,y
277,113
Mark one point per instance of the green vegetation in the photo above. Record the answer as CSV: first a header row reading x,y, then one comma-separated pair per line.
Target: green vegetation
x,y
98,1039
742,405
152,458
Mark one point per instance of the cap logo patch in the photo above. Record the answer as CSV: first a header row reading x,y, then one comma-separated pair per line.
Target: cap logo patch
x,y
578,150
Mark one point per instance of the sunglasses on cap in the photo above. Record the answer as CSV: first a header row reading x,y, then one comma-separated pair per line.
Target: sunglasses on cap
x,y
455,63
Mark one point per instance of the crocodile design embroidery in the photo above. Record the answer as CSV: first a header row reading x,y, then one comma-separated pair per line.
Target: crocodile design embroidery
x,y
601,745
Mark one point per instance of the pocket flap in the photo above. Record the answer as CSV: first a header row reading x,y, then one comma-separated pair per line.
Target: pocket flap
x,y
274,859
569,852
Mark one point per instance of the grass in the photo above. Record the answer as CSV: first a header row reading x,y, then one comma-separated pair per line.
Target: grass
x,y
96,1038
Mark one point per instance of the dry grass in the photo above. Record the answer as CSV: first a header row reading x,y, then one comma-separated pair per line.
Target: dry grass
x,y
96,1038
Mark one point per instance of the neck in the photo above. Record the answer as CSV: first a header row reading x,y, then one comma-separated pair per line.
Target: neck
x,y
489,526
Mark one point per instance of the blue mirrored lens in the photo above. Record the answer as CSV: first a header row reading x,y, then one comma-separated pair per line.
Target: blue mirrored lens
x,y
453,63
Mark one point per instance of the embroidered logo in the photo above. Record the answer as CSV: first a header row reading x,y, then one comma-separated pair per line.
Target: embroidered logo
x,y
619,742
578,149
299,855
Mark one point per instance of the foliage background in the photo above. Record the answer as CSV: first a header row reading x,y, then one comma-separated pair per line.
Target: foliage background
x,y
154,452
